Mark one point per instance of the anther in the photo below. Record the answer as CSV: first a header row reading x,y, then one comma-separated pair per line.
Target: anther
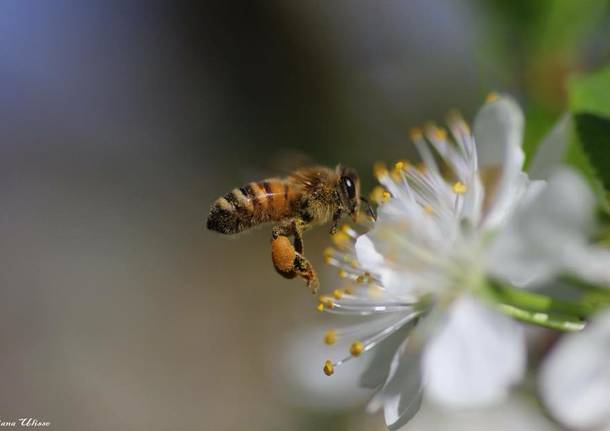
x,y
415,134
459,188
330,337
320,307
380,170
338,293
428,209
328,368
385,197
491,97
356,348
342,273
327,301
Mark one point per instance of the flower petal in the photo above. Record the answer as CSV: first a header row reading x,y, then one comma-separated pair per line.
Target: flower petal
x,y
401,396
474,357
378,369
498,132
550,152
549,235
575,379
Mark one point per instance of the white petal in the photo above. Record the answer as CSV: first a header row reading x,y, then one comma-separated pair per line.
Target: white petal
x,y
402,394
474,358
549,235
575,379
551,151
366,253
498,132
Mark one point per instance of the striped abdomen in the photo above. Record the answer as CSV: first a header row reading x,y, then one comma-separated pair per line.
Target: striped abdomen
x,y
253,204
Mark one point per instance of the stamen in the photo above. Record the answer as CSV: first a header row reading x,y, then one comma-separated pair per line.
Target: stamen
x,y
415,134
338,293
459,188
377,194
491,97
320,307
327,301
328,368
356,348
380,170
330,337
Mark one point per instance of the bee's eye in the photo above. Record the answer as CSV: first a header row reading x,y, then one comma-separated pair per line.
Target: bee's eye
x,y
349,186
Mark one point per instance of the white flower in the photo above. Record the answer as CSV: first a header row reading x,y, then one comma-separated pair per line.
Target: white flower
x,y
429,255
575,378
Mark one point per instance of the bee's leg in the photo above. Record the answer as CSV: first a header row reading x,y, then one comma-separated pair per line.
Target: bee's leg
x,y
288,258
336,217
305,270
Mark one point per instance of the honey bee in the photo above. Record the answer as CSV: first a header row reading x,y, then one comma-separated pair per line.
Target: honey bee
x,y
308,197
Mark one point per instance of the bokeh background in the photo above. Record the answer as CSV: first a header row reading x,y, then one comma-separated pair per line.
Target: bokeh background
x,y
121,122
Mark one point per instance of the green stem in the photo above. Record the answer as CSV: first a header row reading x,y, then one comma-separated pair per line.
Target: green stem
x,y
538,303
545,320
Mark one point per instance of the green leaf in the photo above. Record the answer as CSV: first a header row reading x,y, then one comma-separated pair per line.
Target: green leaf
x,y
589,149
591,94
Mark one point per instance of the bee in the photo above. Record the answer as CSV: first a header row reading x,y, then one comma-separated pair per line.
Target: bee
x,y
306,198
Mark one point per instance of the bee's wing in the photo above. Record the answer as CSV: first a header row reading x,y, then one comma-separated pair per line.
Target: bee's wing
x,y
282,163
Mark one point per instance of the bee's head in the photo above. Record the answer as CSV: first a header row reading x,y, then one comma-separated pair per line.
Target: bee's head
x,y
349,190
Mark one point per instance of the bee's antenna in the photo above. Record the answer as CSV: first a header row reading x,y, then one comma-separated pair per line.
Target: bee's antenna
x,y
369,208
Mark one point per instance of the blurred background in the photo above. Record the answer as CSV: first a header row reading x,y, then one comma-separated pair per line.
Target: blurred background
x,y
121,122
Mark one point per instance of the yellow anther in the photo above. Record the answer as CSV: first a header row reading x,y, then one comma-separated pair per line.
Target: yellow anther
x,y
329,251
341,239
428,209
400,165
356,348
380,170
377,194
327,301
345,228
320,307
415,134
360,279
459,188
491,97
342,273
338,293
328,368
385,197
349,290
354,263
330,337
439,134
328,259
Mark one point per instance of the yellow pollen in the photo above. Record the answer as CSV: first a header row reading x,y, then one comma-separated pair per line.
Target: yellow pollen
x,y
329,251
330,337
377,194
400,165
386,196
338,293
491,97
415,134
439,134
459,188
345,228
380,170
320,307
428,209
360,279
328,368
342,273
328,259
356,348
341,239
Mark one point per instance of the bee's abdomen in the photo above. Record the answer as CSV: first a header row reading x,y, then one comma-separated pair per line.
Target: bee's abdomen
x,y
250,205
